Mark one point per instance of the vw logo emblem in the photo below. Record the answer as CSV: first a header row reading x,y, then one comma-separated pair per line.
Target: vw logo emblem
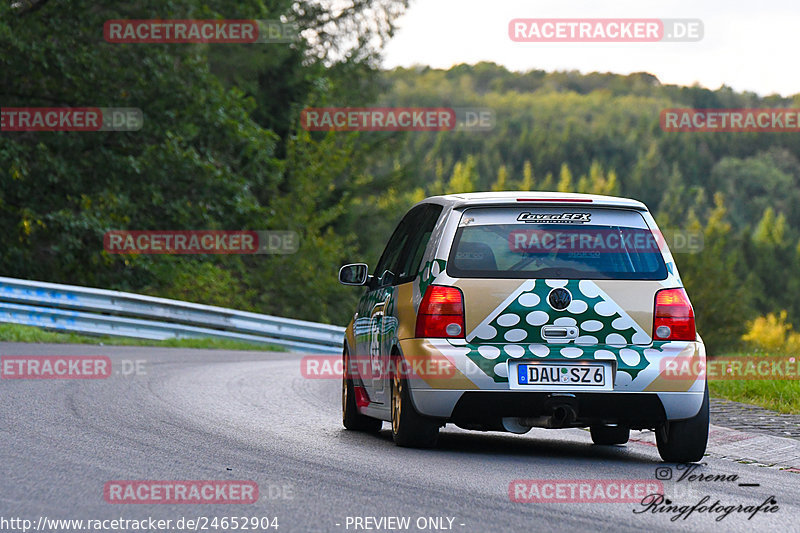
x,y
559,298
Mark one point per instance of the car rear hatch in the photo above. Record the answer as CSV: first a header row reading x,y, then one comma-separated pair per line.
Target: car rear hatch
x,y
556,282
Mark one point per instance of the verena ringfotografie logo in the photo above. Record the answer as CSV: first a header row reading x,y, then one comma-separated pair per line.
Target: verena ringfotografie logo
x,y
200,31
55,367
397,119
71,119
201,242
188,492
689,484
775,120
605,30
582,490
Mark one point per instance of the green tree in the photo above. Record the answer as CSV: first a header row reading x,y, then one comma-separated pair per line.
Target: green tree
x,y
721,299
527,183
464,177
564,179
502,178
219,148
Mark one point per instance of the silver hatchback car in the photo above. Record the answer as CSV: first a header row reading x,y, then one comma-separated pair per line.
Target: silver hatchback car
x,y
507,311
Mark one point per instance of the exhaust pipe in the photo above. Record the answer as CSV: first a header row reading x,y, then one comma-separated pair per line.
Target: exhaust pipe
x,y
563,415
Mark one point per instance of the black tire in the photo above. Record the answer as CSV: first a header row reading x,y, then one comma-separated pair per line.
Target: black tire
x,y
684,441
607,435
409,428
351,418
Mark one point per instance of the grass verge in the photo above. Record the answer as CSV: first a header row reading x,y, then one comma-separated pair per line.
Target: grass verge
x,y
19,333
782,395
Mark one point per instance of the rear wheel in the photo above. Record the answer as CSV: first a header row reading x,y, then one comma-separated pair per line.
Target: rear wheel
x,y
684,441
610,434
409,428
351,418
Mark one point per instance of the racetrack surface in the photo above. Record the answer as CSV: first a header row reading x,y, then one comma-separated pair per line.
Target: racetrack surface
x,y
223,415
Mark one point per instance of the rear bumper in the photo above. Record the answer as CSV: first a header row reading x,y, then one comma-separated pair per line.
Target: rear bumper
x,y
461,392
633,409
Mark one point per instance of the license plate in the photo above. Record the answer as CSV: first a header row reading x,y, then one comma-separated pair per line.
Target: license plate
x,y
561,375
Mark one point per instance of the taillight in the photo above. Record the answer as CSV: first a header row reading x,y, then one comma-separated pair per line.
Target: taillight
x,y
362,398
441,313
674,317
559,200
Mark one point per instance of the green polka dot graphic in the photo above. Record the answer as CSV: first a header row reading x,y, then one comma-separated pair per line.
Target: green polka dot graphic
x,y
515,330
428,273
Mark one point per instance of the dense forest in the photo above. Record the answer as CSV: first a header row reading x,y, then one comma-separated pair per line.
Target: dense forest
x,y
222,148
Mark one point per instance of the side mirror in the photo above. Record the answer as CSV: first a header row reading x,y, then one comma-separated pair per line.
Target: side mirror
x,y
354,274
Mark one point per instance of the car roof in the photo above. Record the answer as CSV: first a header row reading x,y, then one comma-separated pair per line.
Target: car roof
x,y
530,198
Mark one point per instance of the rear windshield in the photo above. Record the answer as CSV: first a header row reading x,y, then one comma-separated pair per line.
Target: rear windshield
x,y
553,244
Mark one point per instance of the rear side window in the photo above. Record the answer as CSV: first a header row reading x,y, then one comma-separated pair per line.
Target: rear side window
x,y
410,260
555,244
403,253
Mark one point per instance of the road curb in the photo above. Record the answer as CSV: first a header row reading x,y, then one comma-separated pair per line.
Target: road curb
x,y
743,447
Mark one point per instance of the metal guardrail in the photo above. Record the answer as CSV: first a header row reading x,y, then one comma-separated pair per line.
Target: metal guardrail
x,y
103,312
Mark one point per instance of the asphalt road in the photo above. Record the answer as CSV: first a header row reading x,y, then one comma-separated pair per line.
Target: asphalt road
x,y
219,415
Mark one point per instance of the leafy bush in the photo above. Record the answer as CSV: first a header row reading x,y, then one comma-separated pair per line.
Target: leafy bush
x,y
772,334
